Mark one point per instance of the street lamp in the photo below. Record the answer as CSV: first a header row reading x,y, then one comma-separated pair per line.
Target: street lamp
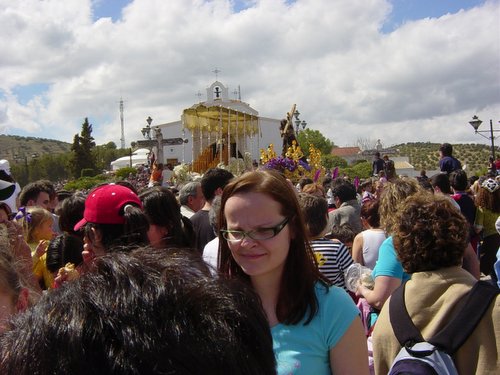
x,y
476,122
146,131
298,123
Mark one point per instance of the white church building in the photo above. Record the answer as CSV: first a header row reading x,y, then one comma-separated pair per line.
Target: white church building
x,y
215,131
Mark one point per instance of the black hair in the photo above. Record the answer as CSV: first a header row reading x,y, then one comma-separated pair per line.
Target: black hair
x,y
345,191
442,181
131,234
145,312
458,180
214,179
162,209
71,212
446,149
65,248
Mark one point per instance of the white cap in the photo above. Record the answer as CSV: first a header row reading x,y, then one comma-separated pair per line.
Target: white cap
x,y
5,166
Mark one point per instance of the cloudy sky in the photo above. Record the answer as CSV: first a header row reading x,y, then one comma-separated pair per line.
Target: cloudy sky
x,y
398,70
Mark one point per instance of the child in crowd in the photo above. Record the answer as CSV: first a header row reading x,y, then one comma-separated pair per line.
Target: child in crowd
x,y
366,191
65,251
38,223
332,256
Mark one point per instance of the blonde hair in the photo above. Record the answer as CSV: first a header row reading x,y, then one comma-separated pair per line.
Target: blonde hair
x,y
393,195
314,189
30,219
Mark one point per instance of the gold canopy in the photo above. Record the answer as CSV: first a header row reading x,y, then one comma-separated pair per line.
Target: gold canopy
x,y
217,119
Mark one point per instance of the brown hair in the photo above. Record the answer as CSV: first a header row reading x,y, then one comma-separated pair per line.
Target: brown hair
x,y
369,212
488,200
315,210
430,234
314,189
296,296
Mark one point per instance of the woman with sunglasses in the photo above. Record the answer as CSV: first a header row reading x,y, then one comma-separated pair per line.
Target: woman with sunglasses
x,y
315,327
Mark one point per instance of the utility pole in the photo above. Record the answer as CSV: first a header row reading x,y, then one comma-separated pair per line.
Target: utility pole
x,y
122,139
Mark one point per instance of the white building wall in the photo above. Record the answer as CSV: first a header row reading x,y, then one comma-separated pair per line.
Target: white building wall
x,y
269,133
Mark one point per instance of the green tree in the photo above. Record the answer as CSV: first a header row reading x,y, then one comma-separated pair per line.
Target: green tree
x,y
81,149
361,170
105,154
318,140
330,161
87,144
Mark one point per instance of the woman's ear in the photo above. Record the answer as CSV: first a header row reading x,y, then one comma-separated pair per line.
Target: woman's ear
x,y
22,300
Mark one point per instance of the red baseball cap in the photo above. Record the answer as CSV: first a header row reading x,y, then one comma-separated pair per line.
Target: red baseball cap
x,y
104,205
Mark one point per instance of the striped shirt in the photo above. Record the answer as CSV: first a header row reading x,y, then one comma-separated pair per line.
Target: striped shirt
x,y
333,259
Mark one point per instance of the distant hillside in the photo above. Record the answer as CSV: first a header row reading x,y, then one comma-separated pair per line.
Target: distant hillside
x,y
422,155
425,155
12,145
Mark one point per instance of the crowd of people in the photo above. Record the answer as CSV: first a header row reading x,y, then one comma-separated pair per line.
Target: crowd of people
x,y
246,274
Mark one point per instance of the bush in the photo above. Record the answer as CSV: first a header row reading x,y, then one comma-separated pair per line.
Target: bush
x,y
86,183
124,172
331,161
360,170
87,172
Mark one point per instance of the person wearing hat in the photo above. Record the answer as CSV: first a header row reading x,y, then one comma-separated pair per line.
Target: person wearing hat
x,y
487,212
6,190
5,175
112,218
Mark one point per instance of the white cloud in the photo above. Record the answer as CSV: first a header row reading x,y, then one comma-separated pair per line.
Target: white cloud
x,y
422,82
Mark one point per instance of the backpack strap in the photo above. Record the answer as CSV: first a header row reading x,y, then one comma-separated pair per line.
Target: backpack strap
x,y
477,302
402,325
453,335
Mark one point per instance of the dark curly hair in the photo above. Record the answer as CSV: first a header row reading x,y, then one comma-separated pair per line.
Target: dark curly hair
x,y
430,234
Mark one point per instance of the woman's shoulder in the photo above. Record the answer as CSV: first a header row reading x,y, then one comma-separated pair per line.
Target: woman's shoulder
x,y
330,295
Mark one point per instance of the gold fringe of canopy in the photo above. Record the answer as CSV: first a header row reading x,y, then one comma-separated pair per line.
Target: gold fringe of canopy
x,y
216,119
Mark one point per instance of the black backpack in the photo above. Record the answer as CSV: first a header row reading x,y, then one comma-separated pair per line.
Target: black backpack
x,y
420,357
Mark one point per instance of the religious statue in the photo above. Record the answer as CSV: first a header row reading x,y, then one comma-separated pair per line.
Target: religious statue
x,y
287,131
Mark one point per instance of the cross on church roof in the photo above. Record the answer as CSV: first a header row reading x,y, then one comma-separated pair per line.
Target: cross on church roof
x,y
216,71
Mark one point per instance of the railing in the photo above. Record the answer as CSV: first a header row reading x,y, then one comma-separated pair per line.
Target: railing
x,y
207,160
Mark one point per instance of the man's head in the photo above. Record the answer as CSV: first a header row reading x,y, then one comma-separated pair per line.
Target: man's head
x,y
441,183
35,194
191,195
50,189
146,312
344,192
213,182
446,149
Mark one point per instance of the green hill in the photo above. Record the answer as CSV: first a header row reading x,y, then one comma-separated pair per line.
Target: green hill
x,y
16,148
425,155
